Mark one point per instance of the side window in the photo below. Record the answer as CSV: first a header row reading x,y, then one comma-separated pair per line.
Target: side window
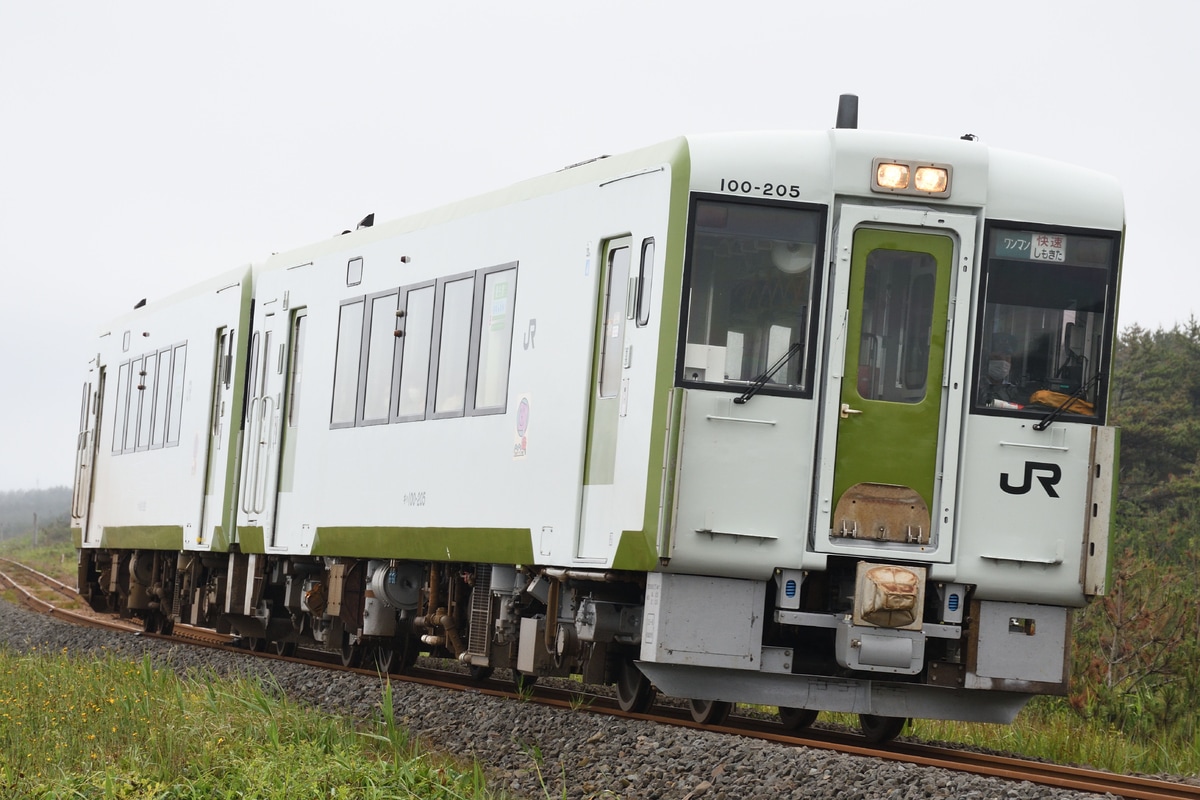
x,y
429,351
376,391
612,337
415,326
133,405
495,340
121,410
147,387
345,370
162,392
454,341
175,418
645,282
354,272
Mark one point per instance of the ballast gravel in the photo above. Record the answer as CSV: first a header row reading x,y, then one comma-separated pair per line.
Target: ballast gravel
x,y
534,751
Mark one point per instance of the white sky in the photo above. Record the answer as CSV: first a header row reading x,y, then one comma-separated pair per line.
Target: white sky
x,y
145,146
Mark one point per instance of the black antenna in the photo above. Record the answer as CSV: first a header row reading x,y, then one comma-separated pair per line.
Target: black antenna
x,y
847,111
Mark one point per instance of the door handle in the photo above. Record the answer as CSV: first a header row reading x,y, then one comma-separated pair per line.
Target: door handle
x,y
847,411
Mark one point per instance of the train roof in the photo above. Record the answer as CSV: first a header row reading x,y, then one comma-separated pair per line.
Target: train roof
x,y
1008,185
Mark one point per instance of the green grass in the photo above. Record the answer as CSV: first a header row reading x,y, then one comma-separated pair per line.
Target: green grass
x,y
54,554
106,728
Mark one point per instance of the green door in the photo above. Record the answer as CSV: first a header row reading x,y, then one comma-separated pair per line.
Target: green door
x,y
890,404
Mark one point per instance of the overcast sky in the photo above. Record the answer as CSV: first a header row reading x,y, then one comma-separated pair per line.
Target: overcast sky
x,y
145,146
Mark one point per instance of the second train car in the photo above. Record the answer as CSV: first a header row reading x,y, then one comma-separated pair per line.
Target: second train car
x,y
813,420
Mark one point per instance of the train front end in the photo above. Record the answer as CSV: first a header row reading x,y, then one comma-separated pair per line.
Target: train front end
x,y
891,478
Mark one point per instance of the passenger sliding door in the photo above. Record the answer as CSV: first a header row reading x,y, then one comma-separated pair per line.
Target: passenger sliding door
x,y
217,461
597,525
259,451
283,464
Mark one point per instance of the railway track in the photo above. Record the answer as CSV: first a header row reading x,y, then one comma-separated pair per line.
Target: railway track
x,y
37,591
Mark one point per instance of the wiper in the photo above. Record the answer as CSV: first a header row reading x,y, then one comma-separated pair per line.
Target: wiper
x,y
761,380
1075,395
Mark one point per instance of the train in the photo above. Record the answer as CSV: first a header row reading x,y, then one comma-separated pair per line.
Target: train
x,y
812,420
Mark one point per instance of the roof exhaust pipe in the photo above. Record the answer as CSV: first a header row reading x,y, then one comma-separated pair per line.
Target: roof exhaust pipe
x,y
847,116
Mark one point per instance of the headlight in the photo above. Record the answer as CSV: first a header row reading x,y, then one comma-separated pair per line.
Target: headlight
x,y
891,176
933,180
922,179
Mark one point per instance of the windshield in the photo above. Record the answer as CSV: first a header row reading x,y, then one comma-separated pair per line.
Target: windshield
x,y
750,288
1047,320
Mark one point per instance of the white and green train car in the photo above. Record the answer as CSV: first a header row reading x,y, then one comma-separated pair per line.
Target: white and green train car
x,y
812,420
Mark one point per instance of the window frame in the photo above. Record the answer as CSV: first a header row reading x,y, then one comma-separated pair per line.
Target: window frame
x,y
148,415
404,355
147,405
645,282
435,349
980,302
355,373
812,334
614,311
354,271
478,311
162,389
364,359
121,406
177,389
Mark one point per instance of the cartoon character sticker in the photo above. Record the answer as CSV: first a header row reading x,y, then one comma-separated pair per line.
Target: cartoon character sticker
x,y
521,445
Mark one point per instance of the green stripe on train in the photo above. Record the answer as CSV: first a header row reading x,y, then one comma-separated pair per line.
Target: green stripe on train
x,y
252,539
143,537
494,545
636,551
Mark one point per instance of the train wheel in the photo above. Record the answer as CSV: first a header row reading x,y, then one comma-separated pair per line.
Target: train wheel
x,y
880,729
384,657
635,693
284,648
352,654
710,712
795,719
157,622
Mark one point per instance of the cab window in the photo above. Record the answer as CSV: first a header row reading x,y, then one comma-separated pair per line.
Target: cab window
x,y
1047,320
751,280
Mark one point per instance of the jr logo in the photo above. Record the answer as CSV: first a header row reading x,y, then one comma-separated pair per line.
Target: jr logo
x,y
1047,481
